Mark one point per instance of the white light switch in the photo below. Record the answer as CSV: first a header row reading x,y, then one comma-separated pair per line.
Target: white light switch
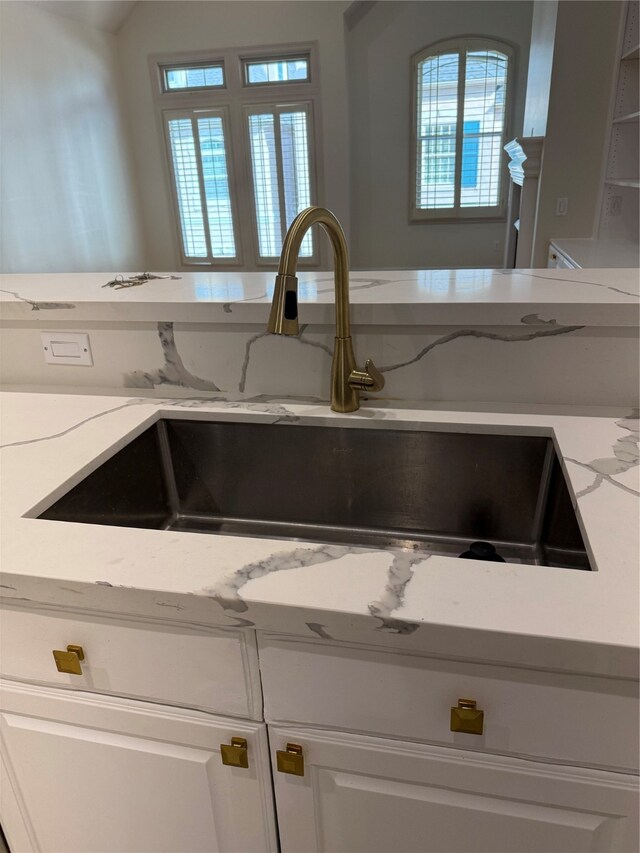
x,y
66,348
60,349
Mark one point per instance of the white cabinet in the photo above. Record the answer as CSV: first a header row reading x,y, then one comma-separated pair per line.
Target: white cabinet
x,y
85,773
371,795
557,261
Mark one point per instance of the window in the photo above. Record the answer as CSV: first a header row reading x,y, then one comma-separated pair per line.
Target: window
x,y
241,165
257,71
459,123
193,77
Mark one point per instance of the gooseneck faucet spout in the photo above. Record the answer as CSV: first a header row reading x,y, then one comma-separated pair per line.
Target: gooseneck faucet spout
x,y
346,380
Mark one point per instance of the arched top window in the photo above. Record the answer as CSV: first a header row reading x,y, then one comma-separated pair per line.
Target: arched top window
x,y
461,92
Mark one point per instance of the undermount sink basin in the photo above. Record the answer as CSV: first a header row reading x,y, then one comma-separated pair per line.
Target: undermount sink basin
x,y
430,491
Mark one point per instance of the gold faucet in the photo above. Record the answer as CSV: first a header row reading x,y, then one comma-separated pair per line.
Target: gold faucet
x,y
346,380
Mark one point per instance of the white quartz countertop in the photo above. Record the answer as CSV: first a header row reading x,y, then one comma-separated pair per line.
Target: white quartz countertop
x,y
595,297
524,615
590,252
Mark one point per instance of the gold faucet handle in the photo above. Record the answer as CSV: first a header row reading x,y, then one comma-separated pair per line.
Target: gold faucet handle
x,y
369,379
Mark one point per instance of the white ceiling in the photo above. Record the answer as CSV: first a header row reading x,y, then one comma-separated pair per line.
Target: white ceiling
x,y
110,15
107,15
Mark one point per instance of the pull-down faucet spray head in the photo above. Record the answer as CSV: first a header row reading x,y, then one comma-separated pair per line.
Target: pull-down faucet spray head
x,y
283,319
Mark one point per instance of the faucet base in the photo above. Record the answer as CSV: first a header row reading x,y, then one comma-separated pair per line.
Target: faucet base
x,y
344,398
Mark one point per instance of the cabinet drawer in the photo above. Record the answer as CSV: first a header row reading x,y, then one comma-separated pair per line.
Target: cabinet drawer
x,y
184,665
527,713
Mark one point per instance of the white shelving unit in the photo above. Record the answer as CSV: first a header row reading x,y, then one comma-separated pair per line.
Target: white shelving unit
x,y
615,242
620,197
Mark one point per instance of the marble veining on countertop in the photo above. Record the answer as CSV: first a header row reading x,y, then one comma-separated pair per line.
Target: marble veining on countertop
x,y
597,297
556,618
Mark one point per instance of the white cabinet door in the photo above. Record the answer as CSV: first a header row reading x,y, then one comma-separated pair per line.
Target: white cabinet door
x,y
87,773
370,795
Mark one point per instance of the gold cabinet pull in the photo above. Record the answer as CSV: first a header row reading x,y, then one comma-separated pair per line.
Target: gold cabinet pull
x,y
467,718
236,754
292,760
69,661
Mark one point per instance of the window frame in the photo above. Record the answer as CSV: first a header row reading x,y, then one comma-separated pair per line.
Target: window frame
x,y
235,97
461,45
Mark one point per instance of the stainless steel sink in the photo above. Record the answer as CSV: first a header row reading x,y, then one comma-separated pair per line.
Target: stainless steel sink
x,y
387,488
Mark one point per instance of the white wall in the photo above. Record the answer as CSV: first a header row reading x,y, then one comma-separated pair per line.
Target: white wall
x,y
169,26
583,75
67,200
543,32
379,48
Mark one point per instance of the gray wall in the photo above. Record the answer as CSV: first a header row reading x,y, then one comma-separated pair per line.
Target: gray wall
x,y
379,50
68,199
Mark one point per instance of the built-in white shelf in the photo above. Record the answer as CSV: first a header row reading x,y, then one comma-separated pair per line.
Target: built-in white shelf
x,y
619,225
624,182
629,117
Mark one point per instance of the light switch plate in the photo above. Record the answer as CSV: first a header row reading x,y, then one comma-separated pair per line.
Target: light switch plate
x,y
66,348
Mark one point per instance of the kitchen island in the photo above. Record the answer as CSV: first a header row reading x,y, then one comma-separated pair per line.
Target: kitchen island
x,y
481,700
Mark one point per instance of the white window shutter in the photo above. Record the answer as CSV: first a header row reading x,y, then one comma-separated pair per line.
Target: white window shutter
x,y
281,171
460,119
187,183
483,128
201,180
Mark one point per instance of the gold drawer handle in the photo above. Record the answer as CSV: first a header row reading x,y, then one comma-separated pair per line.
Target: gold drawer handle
x,y
291,761
467,718
69,661
236,755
